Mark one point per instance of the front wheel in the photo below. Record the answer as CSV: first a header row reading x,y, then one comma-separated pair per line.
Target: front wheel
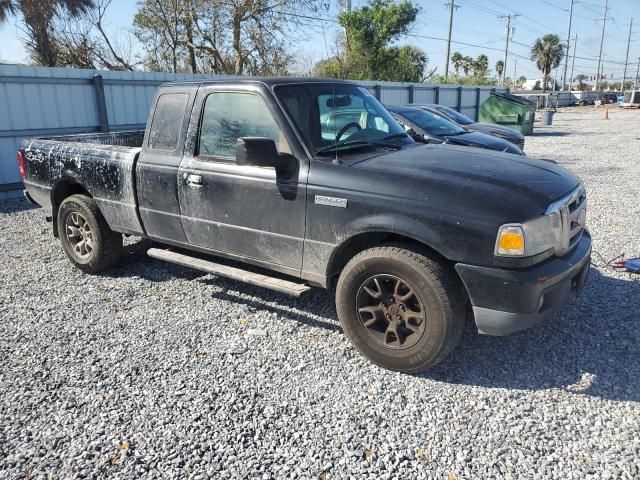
x,y
401,309
85,236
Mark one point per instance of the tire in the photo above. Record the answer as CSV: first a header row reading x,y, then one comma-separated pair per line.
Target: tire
x,y
79,219
436,294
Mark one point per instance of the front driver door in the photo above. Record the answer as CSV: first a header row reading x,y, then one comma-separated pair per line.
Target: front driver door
x,y
240,210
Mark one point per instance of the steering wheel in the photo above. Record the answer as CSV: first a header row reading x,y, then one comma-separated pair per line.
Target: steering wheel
x,y
344,129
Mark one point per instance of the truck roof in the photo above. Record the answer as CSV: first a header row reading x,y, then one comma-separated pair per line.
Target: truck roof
x,y
268,81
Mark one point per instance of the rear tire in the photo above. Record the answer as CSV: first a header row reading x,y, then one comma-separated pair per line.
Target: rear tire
x,y
401,309
85,235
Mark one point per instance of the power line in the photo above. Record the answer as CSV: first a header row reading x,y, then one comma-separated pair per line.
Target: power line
x,y
554,5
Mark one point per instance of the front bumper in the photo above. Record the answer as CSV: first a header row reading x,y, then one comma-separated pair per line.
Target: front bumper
x,y
506,301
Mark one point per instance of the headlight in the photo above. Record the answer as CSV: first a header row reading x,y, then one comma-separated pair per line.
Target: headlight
x,y
554,232
510,241
528,238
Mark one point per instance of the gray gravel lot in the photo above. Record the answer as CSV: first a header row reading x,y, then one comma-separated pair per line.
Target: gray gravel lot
x,y
151,370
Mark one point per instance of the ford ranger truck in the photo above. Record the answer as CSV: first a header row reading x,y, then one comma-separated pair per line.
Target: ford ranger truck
x,y
259,180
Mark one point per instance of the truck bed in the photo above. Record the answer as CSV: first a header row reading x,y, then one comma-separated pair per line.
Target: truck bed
x,y
103,163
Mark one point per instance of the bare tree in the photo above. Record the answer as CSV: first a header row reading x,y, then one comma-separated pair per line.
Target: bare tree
x,y
219,36
39,23
86,43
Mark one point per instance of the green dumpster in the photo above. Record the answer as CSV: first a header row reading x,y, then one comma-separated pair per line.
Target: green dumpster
x,y
510,111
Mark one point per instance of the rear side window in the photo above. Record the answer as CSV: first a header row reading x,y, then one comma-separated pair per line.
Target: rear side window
x,y
167,121
228,116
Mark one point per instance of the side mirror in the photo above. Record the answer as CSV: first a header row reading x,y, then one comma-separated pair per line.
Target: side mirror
x,y
418,137
257,151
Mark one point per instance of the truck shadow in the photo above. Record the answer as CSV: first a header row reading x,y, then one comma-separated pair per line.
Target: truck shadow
x,y
14,205
592,347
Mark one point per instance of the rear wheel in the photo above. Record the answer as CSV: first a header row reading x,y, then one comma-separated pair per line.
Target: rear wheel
x,y
401,309
85,236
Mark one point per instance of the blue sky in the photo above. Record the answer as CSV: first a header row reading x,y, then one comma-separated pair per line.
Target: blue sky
x,y
476,23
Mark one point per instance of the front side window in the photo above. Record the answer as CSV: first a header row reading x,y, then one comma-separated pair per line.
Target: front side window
x,y
167,121
329,115
228,116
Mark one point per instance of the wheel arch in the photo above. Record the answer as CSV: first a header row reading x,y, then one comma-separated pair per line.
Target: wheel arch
x,y
376,237
64,188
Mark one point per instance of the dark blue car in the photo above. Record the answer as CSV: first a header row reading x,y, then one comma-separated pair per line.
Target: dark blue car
x,y
429,127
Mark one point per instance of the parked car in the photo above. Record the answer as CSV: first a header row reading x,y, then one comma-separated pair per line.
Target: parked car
x,y
430,127
411,236
506,133
585,101
608,98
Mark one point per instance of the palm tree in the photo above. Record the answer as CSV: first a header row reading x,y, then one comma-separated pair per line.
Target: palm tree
x,y
481,66
499,69
467,65
547,52
38,18
456,60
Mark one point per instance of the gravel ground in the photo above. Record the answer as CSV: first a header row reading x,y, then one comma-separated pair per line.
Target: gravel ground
x,y
158,371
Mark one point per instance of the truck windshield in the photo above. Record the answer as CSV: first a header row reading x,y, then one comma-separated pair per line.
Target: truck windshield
x,y
344,116
432,123
454,115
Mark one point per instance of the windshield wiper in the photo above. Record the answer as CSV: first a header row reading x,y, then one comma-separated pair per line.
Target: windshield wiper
x,y
333,148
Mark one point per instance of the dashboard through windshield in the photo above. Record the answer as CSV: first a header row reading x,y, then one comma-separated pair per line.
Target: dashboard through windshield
x,y
338,115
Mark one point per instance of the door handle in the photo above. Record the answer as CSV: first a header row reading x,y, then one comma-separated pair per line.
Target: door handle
x,y
195,180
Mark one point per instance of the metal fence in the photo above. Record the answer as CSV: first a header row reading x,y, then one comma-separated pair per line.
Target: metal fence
x,y
40,101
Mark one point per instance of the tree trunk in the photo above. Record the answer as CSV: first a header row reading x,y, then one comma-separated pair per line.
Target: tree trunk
x,y
544,81
189,32
237,46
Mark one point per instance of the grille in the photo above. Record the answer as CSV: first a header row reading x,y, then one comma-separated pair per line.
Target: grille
x,y
577,210
572,212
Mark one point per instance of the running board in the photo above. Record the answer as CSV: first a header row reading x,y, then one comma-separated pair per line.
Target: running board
x,y
283,286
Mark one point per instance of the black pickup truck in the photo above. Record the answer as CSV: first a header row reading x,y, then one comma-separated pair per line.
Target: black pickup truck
x,y
258,171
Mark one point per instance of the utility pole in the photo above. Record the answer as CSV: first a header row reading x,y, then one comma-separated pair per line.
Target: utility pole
x,y
508,35
604,24
566,58
452,6
626,58
573,61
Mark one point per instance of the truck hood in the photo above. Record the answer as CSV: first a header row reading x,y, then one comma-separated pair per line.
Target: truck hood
x,y
513,187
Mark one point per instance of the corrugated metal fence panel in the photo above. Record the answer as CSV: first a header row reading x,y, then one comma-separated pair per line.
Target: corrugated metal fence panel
x,y
448,96
424,95
38,101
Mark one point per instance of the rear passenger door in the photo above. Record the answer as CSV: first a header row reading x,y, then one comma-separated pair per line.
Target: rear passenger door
x,y
241,210
157,166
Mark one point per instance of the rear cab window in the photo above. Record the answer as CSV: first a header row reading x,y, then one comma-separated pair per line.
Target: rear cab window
x,y
166,125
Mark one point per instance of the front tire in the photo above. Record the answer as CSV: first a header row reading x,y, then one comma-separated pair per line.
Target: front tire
x,y
85,235
401,309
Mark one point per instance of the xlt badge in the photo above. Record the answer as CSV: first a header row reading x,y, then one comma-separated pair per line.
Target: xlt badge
x,y
331,201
